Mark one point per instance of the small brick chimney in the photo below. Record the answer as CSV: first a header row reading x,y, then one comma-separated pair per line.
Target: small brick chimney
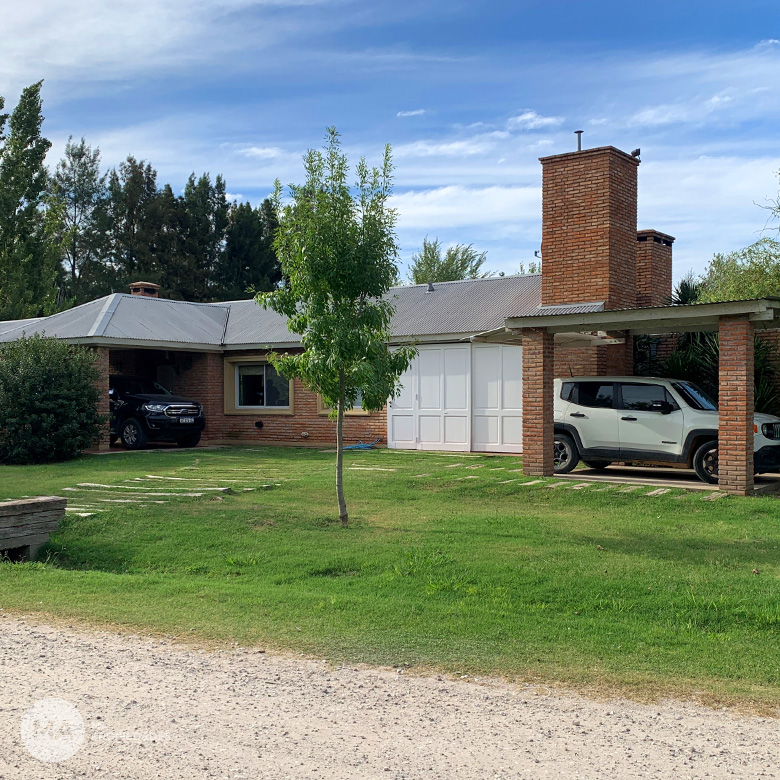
x,y
146,289
589,235
653,268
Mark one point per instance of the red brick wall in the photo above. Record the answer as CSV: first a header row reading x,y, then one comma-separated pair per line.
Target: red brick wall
x,y
735,402
589,236
653,268
538,359
615,359
102,363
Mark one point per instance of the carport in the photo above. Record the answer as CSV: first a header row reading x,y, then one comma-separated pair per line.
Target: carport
x,y
736,323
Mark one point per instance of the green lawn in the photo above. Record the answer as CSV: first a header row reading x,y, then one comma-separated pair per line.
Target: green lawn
x,y
603,589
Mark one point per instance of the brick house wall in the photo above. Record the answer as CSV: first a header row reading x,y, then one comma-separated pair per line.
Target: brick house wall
x,y
201,376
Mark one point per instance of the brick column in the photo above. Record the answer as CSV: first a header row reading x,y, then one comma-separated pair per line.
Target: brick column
x,y
102,364
538,359
735,429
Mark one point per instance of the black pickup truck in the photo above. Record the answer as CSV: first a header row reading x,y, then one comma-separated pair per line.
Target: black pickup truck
x,y
142,410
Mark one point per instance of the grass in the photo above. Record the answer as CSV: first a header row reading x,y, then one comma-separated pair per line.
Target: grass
x,y
603,590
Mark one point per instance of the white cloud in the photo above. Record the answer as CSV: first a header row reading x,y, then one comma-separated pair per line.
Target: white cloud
x,y
261,152
234,196
415,112
530,120
464,148
456,206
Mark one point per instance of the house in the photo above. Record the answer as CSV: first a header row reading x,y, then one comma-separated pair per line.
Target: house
x,y
464,391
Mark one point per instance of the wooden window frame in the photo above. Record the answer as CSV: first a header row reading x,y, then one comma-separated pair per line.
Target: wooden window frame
x,y
231,389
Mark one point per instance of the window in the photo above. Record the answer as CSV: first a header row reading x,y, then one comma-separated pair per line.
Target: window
x,y
357,407
594,394
566,389
261,385
640,398
695,397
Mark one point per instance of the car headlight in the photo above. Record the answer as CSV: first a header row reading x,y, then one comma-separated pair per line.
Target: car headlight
x,y
155,407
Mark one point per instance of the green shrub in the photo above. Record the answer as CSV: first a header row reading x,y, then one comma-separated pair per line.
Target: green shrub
x,y
48,400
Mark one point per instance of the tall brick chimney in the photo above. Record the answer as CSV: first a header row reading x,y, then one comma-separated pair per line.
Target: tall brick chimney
x,y
147,289
653,268
589,235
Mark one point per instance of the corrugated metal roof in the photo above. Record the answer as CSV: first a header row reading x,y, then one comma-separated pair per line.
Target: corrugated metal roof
x,y
452,308
157,319
566,308
466,307
10,325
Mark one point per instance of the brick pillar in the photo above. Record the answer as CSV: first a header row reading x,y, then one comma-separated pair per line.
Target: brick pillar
x,y
538,360
735,429
653,268
102,363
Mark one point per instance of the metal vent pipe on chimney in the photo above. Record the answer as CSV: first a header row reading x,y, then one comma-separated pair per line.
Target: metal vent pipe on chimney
x,y
579,133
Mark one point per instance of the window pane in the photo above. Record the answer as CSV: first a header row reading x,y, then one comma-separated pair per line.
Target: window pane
x,y
251,385
277,388
595,394
640,398
566,391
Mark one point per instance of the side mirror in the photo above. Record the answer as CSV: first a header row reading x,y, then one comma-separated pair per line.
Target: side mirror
x,y
664,407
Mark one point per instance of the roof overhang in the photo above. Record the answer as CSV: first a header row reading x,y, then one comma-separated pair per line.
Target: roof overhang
x,y
655,320
507,336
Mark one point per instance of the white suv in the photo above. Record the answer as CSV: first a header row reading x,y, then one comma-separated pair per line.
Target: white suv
x,y
625,418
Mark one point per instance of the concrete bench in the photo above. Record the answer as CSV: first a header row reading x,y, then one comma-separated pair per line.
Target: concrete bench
x,y
25,524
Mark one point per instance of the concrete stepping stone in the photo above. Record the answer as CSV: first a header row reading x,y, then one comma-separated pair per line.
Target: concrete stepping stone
x,y
359,468
532,482
417,476
453,465
506,481
581,485
557,484
714,496
139,487
630,488
658,492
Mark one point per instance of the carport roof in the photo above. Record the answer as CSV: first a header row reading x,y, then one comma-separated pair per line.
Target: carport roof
x,y
654,320
450,310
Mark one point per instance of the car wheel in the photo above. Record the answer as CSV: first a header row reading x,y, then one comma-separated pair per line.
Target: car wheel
x,y
133,435
566,456
190,440
705,462
598,465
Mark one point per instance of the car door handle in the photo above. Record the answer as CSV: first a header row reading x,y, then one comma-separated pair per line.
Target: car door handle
x,y
630,419
576,414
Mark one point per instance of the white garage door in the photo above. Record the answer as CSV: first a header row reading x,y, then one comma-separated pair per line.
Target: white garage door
x,y
460,397
497,413
433,410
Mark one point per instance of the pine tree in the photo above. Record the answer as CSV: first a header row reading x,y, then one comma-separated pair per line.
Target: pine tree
x,y
30,220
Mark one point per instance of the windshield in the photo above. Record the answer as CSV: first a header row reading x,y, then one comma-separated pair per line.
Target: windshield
x,y
138,385
695,397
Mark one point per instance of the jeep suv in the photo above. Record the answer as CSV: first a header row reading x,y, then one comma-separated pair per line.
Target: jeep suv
x,y
600,420
143,410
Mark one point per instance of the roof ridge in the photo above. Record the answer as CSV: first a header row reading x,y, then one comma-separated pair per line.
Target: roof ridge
x,y
104,316
470,281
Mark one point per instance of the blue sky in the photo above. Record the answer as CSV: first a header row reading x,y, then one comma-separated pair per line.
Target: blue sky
x,y
469,95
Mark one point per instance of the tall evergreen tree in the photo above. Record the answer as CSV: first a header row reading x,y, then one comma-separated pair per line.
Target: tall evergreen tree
x,y
249,262
79,183
135,221
30,221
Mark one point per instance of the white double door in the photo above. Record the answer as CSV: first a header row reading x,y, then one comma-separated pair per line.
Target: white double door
x,y
459,397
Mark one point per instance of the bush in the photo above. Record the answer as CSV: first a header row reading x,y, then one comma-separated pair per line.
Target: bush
x,y
48,400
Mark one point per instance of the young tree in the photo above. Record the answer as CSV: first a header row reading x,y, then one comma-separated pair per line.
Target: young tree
x,y
337,248
458,262
81,186
30,221
751,272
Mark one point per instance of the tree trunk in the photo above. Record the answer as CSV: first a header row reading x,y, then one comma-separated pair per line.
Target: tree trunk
x,y
340,456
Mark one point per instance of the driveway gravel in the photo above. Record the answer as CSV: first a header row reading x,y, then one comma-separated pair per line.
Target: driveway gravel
x,y
152,709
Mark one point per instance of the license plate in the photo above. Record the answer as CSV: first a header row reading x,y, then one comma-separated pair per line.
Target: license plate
x,y
186,419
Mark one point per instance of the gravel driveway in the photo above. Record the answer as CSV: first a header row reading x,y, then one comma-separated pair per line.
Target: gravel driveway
x,y
152,710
